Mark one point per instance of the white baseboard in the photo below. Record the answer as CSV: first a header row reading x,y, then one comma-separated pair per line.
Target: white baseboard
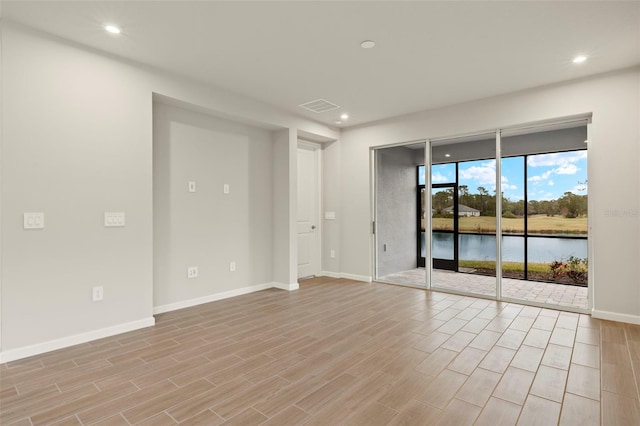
x,y
27,351
614,316
364,278
288,287
211,298
52,345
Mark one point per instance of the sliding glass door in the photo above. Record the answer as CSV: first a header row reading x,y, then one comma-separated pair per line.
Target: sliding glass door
x,y
463,215
397,203
502,215
544,217
444,227
537,194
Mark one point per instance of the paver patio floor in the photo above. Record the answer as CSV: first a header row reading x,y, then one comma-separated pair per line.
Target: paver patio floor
x,y
568,296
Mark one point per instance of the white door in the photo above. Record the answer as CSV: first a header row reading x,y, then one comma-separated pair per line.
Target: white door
x,y
308,210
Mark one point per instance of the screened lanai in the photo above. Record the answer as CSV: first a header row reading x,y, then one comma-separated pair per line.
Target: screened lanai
x,y
535,250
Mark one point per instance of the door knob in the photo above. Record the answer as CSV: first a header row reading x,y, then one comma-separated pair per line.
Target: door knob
x,y
313,227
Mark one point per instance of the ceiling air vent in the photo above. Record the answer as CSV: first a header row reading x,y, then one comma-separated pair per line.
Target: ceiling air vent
x,y
319,105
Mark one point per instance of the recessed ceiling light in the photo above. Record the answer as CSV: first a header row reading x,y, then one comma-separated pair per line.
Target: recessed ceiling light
x,y
112,29
368,44
579,59
447,155
344,116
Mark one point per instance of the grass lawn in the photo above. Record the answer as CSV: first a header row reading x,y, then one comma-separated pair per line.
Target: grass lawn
x,y
506,266
538,224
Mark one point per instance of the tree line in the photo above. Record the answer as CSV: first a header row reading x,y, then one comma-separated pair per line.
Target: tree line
x,y
569,205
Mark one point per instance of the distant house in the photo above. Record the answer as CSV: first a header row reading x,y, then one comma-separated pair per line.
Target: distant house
x,y
463,210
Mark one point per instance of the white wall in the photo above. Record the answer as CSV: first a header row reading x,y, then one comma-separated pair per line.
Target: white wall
x,y
76,142
614,193
285,254
331,189
209,229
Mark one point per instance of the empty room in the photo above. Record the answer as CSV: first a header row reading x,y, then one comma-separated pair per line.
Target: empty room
x,y
319,212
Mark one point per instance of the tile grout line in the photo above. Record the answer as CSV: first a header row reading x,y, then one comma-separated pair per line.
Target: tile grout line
x,y
635,376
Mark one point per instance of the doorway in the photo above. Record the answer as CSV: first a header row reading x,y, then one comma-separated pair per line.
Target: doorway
x,y
444,227
397,200
308,211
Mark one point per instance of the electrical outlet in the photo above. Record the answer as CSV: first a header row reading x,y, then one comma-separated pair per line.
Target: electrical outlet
x,y
232,266
332,254
98,293
192,272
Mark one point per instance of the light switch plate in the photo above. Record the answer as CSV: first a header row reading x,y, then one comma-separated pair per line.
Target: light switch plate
x,y
192,186
330,215
34,220
113,219
225,188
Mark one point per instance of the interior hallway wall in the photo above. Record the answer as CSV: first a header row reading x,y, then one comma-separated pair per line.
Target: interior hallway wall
x,y
331,173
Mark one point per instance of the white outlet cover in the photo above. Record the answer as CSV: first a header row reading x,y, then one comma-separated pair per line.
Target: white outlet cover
x,y
192,272
97,293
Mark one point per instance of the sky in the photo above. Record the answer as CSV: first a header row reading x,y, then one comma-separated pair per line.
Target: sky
x,y
549,176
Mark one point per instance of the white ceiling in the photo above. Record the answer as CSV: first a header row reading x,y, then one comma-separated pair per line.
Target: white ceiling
x,y
428,54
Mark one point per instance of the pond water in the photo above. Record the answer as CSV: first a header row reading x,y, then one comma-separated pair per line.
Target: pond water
x,y
483,247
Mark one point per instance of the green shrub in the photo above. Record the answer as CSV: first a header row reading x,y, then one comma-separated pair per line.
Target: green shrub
x,y
575,268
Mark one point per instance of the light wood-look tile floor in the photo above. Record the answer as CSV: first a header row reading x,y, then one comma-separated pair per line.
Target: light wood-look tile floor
x,y
339,352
